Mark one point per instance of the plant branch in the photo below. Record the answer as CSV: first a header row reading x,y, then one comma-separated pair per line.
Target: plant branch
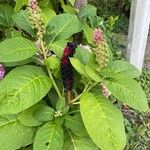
x,y
48,70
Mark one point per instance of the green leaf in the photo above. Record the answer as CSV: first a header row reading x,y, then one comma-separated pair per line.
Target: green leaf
x,y
75,124
58,47
52,62
72,2
48,14
87,11
49,137
14,135
20,4
103,121
16,49
83,54
6,12
128,91
73,142
78,66
23,87
92,74
36,115
69,9
88,33
63,26
18,63
21,19
124,68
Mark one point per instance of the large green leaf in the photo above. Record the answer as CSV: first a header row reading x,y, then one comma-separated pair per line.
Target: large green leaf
x,y
16,49
49,137
14,135
23,87
63,26
6,12
124,68
21,19
103,121
87,11
36,115
73,142
128,91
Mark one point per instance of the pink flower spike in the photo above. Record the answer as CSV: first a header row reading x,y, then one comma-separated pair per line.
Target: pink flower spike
x,y
98,36
2,71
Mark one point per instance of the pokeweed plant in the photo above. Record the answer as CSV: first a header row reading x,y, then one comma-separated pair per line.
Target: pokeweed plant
x,y
58,80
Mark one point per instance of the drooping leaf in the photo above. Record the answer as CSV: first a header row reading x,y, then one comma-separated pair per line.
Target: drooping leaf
x,y
83,54
49,137
16,49
14,135
73,142
36,115
23,87
103,121
129,92
78,66
6,12
21,19
92,74
87,11
63,26
75,124
88,33
20,4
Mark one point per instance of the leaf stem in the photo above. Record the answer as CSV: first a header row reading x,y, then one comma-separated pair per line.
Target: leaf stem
x,y
48,70
87,88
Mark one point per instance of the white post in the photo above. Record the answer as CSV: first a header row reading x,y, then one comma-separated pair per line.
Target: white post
x,y
138,32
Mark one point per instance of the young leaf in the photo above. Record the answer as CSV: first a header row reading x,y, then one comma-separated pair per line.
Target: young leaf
x,y
63,26
103,121
88,33
52,62
87,11
16,49
14,135
73,142
23,87
128,91
78,66
92,74
49,137
6,12
36,115
22,21
58,46
20,4
124,68
69,9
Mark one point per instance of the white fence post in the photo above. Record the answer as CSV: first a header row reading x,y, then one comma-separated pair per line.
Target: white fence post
x,y
138,32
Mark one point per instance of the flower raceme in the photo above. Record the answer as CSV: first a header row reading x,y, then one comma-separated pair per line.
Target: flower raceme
x,y
66,67
2,71
100,48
